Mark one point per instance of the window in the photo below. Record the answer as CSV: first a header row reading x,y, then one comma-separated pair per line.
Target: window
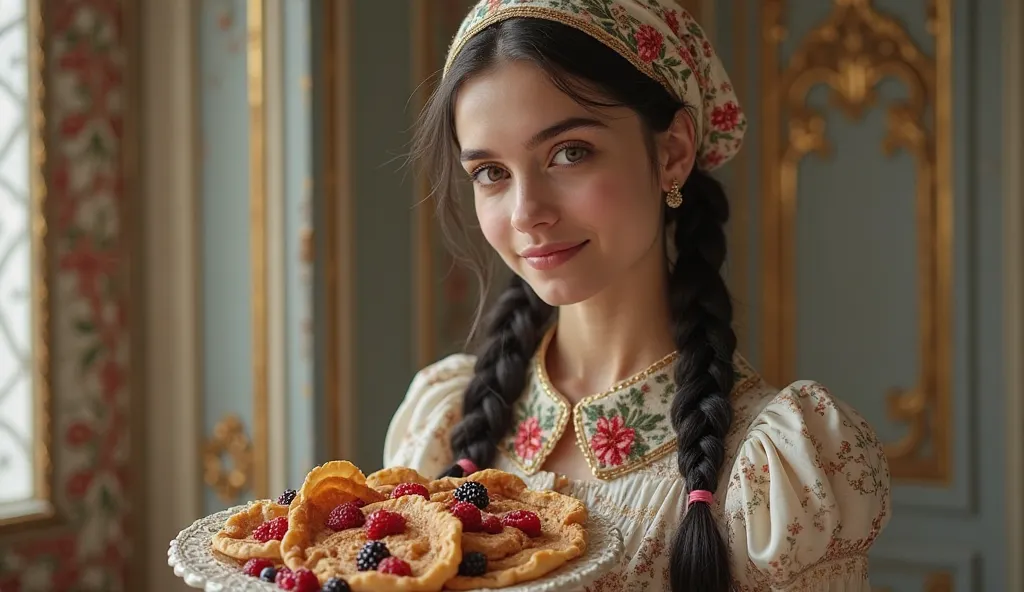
x,y
20,484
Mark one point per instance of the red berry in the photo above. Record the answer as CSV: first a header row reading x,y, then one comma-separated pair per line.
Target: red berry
x,y
410,489
253,567
472,521
272,530
285,579
524,520
394,566
305,581
492,524
382,523
345,516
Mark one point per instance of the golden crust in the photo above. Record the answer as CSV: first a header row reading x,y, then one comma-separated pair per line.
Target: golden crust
x,y
235,539
430,545
513,557
385,480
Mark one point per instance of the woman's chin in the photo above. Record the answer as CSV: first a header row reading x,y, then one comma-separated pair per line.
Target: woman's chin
x,y
561,291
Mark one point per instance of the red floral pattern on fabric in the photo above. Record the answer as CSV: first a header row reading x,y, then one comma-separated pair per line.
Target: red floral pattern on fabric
x,y
613,441
528,438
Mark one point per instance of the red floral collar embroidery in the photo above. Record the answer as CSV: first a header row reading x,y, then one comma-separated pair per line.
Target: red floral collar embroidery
x,y
620,430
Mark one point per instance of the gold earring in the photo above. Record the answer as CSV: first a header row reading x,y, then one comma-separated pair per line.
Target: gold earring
x,y
674,197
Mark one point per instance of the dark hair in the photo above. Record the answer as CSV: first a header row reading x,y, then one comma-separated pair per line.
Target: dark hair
x,y
595,75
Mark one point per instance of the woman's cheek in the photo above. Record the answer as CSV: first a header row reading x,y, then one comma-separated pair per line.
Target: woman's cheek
x,y
496,226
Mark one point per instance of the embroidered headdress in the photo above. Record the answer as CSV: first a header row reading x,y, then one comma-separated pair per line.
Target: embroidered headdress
x,y
658,37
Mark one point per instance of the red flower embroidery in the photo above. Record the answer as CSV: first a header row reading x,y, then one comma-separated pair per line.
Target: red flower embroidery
x,y
648,43
528,441
707,49
712,159
725,117
78,433
613,441
672,19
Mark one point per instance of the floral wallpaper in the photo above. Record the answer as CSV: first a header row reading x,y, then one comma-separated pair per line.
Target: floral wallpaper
x,y
90,244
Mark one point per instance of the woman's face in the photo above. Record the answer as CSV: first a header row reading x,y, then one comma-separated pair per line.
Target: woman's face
x,y
565,194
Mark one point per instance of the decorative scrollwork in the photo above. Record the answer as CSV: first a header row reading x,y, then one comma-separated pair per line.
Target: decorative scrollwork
x,y
851,52
228,440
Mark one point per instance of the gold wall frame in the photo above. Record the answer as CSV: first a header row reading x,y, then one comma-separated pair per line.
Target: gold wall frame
x,y
255,64
338,209
41,511
850,52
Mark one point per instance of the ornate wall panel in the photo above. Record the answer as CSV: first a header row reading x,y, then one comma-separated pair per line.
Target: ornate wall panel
x,y
855,51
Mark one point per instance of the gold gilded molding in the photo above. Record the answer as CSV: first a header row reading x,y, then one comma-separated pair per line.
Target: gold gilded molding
x,y
853,50
228,440
258,239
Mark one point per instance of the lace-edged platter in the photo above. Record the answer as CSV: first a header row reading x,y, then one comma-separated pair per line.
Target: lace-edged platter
x,y
193,560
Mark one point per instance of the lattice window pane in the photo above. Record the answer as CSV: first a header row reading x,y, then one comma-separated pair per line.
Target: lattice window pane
x,y
16,322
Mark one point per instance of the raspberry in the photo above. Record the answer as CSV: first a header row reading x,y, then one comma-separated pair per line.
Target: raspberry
x,y
473,493
272,530
286,498
492,524
254,567
336,585
394,566
469,515
410,489
524,520
473,564
371,555
285,579
381,523
269,574
306,581
345,516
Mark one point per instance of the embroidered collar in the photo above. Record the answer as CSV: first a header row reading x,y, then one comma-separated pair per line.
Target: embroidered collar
x,y
620,430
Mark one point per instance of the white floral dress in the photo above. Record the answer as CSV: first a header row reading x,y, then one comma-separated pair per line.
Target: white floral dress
x,y
805,494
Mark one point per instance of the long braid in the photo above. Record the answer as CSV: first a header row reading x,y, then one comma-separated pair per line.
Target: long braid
x,y
704,377
513,330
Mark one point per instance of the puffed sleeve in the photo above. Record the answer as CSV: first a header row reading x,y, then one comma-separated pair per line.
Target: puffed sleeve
x,y
418,435
808,495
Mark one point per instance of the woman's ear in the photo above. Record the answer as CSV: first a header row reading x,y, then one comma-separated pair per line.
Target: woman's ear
x,y
677,151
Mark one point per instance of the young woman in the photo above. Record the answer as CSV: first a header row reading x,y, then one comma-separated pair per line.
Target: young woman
x,y
608,366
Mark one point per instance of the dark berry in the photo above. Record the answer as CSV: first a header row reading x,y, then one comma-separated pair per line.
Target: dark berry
x,y
473,564
286,498
524,520
306,581
381,523
473,493
254,567
285,579
394,566
271,530
469,515
268,574
336,585
492,524
410,489
345,516
371,555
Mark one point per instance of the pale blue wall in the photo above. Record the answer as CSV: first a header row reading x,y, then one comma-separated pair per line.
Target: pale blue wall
x,y
227,279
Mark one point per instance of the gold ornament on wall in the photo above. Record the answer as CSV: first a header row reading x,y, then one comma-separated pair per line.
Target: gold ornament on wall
x,y
230,441
851,52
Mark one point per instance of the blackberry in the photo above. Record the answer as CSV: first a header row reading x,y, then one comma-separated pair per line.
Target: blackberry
x,y
335,585
268,574
473,493
371,555
286,498
473,564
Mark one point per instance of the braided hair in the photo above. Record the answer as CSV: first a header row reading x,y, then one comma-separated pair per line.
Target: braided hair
x,y
699,299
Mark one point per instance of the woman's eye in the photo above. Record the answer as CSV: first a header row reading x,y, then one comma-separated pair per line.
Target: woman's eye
x,y
489,175
570,155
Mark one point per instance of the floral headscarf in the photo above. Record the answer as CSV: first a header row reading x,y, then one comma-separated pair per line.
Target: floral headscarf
x,y
658,37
